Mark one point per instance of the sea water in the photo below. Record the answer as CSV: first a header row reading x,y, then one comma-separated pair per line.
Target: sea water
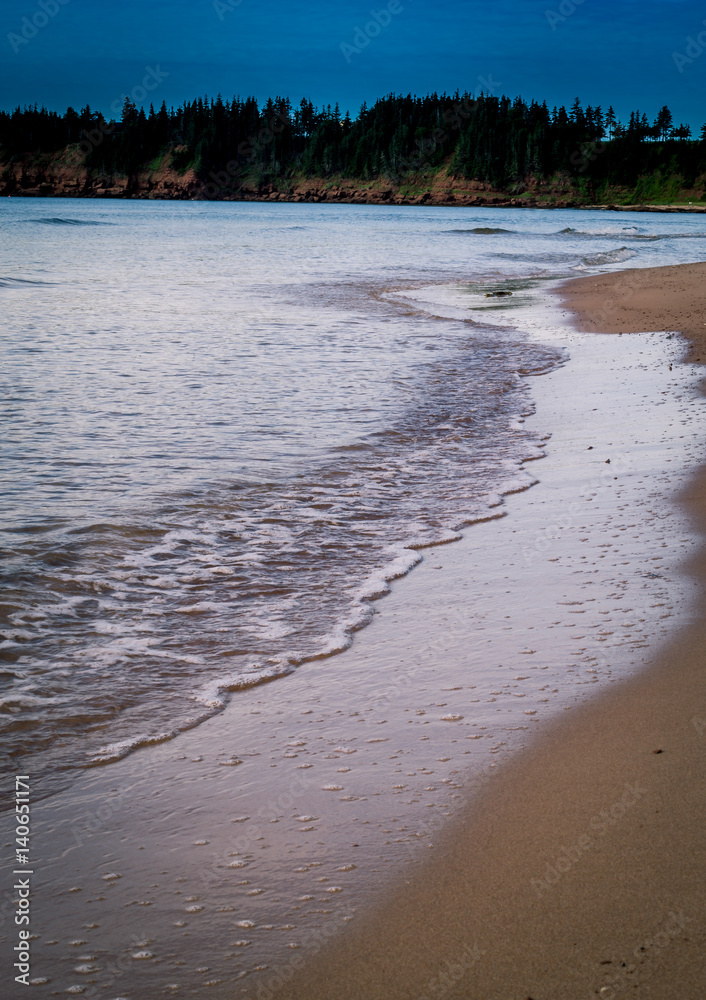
x,y
227,428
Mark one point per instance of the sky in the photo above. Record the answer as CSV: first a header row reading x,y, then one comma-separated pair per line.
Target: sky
x,y
628,53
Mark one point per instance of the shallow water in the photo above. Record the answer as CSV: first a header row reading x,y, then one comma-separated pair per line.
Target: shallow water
x,y
227,427
222,860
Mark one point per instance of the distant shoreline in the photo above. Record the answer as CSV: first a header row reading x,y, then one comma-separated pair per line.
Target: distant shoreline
x,y
466,149
359,198
66,175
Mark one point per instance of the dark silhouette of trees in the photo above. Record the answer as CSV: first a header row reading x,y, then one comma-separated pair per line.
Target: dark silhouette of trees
x,y
663,122
498,140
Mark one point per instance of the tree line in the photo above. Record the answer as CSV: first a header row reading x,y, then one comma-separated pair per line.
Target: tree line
x,y
493,139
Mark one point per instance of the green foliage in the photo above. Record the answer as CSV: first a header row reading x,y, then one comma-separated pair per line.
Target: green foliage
x,y
495,140
658,187
182,159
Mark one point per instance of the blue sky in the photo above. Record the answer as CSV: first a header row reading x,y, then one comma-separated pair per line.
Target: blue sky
x,y
61,52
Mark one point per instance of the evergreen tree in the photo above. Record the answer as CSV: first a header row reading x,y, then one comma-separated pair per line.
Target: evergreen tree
x,y
497,140
681,132
663,122
129,113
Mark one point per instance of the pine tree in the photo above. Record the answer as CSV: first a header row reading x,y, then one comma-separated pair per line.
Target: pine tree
x,y
663,122
681,132
129,112
494,139
577,115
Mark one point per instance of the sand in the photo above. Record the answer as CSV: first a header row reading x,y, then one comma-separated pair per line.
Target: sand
x,y
398,821
652,298
580,872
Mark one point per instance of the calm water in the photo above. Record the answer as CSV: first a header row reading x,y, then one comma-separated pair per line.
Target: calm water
x,y
226,427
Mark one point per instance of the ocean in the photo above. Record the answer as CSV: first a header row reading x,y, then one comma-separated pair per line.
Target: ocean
x,y
228,427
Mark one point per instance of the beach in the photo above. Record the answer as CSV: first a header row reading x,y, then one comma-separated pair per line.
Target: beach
x,y
353,502
647,299
467,800
580,872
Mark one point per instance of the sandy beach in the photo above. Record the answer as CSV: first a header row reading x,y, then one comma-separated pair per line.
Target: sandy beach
x,y
663,298
579,873
397,821
353,518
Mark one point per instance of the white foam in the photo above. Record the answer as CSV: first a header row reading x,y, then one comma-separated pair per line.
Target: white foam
x,y
116,751
609,257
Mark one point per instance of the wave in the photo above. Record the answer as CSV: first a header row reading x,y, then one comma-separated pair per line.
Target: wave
x,y
481,231
550,257
215,694
605,231
627,233
243,581
571,260
55,221
21,282
609,257
678,236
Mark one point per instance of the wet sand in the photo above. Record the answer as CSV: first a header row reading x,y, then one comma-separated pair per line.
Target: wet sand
x,y
580,872
652,298
253,856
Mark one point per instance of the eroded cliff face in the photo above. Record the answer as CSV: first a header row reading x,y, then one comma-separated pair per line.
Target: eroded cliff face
x,y
68,177
65,175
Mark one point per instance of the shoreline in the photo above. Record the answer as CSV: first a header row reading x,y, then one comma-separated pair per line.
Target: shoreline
x,y
335,197
640,299
307,772
564,879
578,871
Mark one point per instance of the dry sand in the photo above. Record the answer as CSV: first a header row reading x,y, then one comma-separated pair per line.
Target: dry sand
x,y
652,298
580,872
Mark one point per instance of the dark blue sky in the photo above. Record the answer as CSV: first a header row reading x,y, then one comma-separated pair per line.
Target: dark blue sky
x,y
605,51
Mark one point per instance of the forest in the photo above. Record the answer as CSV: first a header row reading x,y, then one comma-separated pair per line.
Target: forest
x,y
498,140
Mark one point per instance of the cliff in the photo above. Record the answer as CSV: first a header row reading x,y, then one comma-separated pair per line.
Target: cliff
x,y
65,175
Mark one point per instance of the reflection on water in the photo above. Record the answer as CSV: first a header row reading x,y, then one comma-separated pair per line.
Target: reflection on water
x,y
225,431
